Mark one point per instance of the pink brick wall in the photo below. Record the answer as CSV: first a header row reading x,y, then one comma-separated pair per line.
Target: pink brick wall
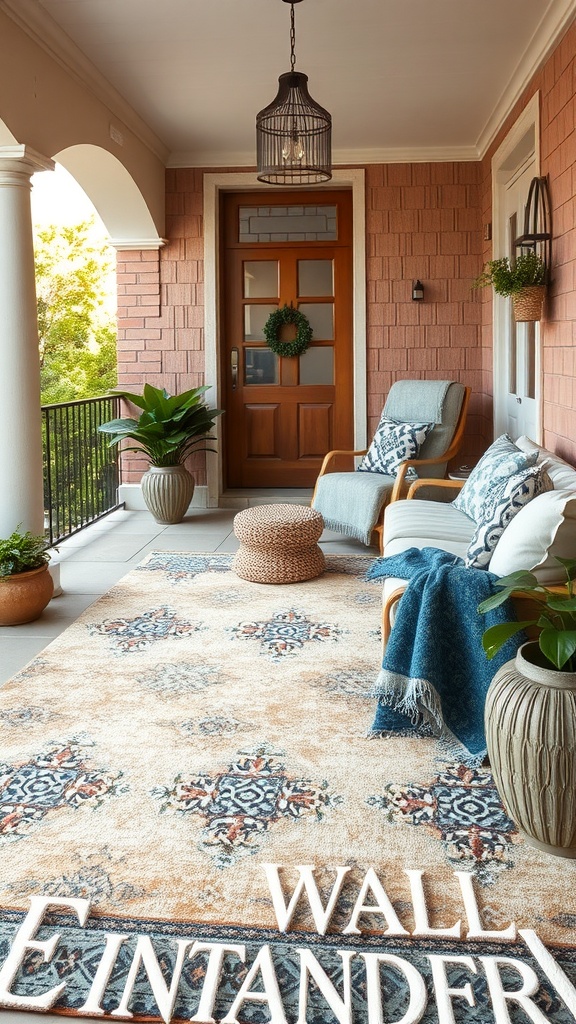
x,y
423,221
556,82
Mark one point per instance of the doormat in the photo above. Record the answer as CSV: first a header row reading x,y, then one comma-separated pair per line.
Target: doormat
x,y
195,826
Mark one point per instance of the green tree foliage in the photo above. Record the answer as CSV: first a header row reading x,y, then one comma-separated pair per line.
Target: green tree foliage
x,y
77,332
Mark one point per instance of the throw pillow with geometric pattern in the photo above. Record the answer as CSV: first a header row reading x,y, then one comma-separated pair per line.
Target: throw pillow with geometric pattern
x,y
504,501
501,460
392,444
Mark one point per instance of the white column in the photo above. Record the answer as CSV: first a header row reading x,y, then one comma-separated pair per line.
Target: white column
x,y
21,485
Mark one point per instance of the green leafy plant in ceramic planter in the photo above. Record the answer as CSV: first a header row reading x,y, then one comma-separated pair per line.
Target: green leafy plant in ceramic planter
x,y
26,586
169,429
554,621
524,278
530,712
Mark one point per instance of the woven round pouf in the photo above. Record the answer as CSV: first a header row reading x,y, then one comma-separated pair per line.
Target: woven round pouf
x,y
278,544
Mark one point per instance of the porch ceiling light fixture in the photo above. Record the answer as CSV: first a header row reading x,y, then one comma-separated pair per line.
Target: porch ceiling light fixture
x,y
293,133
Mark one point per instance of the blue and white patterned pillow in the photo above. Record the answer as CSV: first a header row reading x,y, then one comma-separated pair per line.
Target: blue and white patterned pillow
x,y
392,444
504,501
500,461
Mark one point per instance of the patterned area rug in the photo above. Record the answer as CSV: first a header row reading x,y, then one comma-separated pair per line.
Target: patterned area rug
x,y
194,825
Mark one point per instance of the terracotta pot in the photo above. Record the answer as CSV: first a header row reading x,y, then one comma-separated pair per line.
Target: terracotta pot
x,y
530,718
24,596
528,303
167,491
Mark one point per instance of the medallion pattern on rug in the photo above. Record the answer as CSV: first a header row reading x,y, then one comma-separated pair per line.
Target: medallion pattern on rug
x,y
91,876
180,567
138,634
241,802
168,679
286,633
56,778
462,808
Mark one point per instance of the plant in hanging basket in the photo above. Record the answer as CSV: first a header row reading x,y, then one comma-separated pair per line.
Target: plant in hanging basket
x,y
273,327
524,279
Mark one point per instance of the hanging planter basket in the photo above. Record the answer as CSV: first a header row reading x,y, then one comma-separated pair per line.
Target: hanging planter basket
x,y
528,303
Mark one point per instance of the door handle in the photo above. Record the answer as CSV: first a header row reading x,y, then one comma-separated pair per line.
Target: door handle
x,y
234,367
518,399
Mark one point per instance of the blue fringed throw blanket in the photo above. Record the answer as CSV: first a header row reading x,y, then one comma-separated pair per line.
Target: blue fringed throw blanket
x,y
435,673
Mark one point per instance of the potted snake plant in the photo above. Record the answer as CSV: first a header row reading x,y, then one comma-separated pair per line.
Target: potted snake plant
x,y
26,586
530,710
169,429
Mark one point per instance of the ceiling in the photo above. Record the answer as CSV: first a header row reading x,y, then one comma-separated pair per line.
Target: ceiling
x,y
425,79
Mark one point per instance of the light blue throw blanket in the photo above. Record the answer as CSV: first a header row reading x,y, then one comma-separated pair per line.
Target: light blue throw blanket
x,y
352,510
435,673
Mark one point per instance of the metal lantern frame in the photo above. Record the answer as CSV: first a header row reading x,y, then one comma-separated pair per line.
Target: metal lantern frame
x,y
293,133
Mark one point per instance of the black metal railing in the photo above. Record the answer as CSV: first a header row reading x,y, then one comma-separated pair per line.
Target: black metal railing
x,y
81,474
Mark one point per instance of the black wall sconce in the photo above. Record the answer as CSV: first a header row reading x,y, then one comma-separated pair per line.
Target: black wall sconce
x,y
538,223
417,291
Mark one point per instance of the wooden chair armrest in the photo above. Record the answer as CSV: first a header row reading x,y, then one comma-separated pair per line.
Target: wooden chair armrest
x,y
455,485
387,607
332,455
328,458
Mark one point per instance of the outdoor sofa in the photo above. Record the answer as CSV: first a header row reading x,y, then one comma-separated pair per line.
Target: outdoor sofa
x,y
541,531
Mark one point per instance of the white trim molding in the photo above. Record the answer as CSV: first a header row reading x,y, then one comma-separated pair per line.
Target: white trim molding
x,y
521,143
237,181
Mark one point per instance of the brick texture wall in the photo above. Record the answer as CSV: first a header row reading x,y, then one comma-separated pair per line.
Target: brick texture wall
x,y
424,222
556,82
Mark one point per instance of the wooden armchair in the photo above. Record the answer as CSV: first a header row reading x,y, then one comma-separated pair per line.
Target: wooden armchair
x,y
442,445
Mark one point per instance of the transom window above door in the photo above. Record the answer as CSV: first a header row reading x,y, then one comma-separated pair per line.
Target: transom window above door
x,y
258,224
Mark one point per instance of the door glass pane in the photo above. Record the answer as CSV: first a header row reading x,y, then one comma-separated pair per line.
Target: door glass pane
x,y
321,317
315,277
254,319
513,345
530,329
287,224
261,279
260,366
317,365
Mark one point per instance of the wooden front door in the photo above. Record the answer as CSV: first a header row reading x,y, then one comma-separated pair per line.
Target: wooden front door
x,y
284,413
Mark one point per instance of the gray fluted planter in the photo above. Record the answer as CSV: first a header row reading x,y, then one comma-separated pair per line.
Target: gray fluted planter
x,y
530,719
167,491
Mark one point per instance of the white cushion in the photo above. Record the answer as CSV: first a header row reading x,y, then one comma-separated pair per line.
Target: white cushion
x,y
561,473
434,520
392,444
401,544
543,530
500,461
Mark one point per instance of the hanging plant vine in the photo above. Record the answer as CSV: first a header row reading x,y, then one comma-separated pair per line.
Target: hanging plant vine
x,y
273,326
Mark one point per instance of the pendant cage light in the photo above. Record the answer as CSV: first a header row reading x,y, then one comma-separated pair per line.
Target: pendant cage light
x,y
293,133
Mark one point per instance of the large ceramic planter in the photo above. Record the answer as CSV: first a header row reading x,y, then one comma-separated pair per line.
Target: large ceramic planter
x,y
527,304
530,719
23,597
167,491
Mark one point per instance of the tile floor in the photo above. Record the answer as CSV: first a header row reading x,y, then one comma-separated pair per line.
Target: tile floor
x,y
92,561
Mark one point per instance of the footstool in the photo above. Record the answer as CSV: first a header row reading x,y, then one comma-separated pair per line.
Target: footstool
x,y
278,544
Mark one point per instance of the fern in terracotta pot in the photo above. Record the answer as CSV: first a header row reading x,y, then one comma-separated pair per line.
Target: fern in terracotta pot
x,y
26,586
169,429
523,278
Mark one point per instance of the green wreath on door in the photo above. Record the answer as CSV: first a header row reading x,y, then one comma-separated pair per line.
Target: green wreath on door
x,y
273,326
